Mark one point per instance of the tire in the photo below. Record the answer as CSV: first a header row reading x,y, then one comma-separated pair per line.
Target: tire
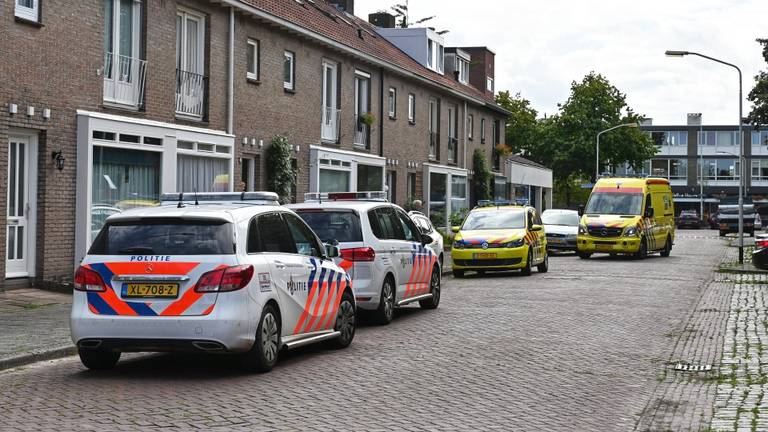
x,y
434,289
95,359
262,357
544,266
667,247
458,274
481,272
526,271
583,255
346,322
386,310
441,260
722,233
643,251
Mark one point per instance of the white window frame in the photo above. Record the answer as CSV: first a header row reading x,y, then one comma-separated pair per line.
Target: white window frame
x,y
707,162
188,15
253,46
470,125
482,131
668,174
27,13
290,85
759,164
489,84
392,104
462,65
411,107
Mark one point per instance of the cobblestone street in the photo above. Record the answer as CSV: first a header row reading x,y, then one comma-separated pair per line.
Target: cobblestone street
x,y
587,346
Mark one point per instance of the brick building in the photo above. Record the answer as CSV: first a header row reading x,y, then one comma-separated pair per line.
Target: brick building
x,y
106,104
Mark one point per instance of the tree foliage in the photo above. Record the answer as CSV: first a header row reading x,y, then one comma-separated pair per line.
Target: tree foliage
x,y
759,94
522,124
280,175
482,177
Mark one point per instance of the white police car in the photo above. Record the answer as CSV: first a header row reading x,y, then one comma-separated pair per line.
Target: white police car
x,y
231,272
384,252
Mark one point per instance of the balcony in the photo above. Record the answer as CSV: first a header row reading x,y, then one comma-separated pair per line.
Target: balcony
x,y
362,134
330,128
434,145
191,94
124,80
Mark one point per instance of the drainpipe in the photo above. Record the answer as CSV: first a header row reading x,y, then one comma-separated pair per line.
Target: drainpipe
x,y
231,74
381,114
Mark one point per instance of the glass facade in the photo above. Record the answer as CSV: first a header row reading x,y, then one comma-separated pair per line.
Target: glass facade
x,y
459,200
760,170
202,174
720,169
370,178
334,180
437,197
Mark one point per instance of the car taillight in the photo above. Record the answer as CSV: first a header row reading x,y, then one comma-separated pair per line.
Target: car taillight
x,y
762,244
225,279
358,254
88,280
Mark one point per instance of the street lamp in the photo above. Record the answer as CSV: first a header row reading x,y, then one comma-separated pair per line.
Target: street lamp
x,y
597,147
697,118
673,53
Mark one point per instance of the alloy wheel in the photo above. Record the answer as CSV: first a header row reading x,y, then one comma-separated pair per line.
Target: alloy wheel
x,y
269,337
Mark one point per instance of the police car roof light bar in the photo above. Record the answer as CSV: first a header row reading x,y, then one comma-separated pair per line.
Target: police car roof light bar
x,y
263,198
346,196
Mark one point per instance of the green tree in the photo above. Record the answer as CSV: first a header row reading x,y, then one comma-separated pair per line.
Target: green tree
x,y
759,94
482,176
522,125
280,175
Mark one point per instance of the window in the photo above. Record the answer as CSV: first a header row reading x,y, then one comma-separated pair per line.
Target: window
x,y
303,238
458,194
341,225
124,71
434,128
190,51
410,232
202,174
496,132
362,108
332,180
392,103
760,170
462,66
673,169
369,178
274,235
720,169
165,236
392,186
411,186
453,133
331,102
28,9
252,59
489,84
385,224
470,126
482,131
412,108
760,138
289,71
435,56
719,138
670,138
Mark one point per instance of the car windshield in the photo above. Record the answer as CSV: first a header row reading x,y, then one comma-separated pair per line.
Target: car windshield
x,y
166,236
340,225
494,219
615,203
560,218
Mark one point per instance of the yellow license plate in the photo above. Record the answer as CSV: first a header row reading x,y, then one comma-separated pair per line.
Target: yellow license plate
x,y
483,255
144,290
603,247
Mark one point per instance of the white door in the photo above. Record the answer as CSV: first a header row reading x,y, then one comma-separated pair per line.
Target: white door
x,y
19,192
330,110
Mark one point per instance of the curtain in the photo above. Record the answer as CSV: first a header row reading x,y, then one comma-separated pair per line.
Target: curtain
x,y
202,174
334,181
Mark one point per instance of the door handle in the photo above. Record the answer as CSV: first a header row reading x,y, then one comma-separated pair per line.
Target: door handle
x,y
279,265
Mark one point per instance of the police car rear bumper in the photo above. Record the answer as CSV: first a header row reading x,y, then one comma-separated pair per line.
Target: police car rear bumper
x,y
231,326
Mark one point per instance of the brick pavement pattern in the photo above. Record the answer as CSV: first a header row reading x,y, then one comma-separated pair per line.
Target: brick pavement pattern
x,y
578,348
33,320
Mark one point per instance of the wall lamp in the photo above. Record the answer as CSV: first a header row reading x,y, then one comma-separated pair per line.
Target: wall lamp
x,y
58,159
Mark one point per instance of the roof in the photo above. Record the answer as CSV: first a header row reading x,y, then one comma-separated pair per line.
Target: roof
x,y
631,182
324,21
501,207
523,161
349,204
224,211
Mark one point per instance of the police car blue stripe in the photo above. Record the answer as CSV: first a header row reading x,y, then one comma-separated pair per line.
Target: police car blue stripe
x,y
99,304
142,309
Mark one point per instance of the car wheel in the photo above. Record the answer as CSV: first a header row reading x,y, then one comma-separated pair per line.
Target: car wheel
x,y
722,233
544,266
346,321
458,274
441,260
386,310
434,289
583,255
667,247
266,348
643,251
481,272
526,271
98,359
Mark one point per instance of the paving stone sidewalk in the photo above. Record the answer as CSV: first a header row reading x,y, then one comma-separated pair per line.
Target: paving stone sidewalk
x,y
34,326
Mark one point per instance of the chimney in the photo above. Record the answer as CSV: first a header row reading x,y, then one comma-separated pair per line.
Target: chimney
x,y
382,19
344,5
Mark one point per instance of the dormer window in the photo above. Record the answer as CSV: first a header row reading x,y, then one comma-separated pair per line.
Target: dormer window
x,y
435,56
462,66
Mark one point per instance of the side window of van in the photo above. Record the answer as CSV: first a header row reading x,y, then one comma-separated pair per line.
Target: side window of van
x,y
648,203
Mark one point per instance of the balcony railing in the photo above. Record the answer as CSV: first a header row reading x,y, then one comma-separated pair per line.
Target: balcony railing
x,y
434,145
330,128
453,145
191,94
362,134
124,79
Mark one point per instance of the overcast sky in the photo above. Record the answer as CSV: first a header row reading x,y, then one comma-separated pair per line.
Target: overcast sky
x,y
542,46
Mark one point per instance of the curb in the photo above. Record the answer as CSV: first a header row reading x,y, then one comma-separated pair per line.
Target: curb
x,y
37,356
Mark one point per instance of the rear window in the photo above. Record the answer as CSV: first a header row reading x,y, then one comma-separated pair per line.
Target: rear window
x,y
165,237
340,225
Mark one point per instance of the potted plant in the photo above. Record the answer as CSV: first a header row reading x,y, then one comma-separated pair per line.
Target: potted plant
x,y
368,118
502,150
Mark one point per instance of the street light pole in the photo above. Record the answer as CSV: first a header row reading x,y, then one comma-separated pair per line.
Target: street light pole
x,y
671,53
597,146
700,153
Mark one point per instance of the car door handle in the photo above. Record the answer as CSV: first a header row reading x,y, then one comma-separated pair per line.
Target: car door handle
x,y
279,265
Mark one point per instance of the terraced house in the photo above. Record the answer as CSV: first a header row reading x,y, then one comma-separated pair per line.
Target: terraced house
x,y
106,104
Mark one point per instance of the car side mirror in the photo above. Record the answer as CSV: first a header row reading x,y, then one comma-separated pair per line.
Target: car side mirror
x,y
581,210
455,229
536,228
332,251
649,212
425,239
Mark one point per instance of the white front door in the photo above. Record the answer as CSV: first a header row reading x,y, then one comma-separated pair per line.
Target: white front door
x,y
19,192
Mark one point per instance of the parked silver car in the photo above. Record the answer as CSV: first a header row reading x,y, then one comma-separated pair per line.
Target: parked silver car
x,y
426,227
562,227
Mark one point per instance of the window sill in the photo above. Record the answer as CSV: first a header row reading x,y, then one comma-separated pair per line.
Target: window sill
x,y
252,80
411,122
121,107
469,138
289,91
482,141
29,22
393,118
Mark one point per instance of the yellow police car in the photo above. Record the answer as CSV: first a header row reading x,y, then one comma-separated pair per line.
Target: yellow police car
x,y
498,237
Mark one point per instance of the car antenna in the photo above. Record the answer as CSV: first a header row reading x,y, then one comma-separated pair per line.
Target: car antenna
x,y
196,203
180,204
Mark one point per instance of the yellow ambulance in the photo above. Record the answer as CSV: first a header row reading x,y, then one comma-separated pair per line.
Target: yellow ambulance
x,y
633,216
